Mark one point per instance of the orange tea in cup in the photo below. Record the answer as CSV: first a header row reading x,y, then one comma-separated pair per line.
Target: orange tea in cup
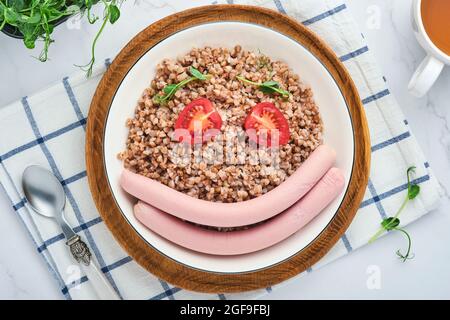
x,y
436,20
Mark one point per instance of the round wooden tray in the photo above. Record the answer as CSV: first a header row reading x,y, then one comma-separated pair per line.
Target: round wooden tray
x,y
164,267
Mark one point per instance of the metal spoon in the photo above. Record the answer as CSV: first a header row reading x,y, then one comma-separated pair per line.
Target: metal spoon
x,y
45,195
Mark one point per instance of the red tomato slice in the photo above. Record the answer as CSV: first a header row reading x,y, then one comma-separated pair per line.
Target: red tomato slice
x,y
201,119
266,116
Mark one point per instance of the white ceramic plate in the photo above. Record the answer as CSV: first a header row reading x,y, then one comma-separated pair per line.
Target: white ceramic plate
x,y
338,132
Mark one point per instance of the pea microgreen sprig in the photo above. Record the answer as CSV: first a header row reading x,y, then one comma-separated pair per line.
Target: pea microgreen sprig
x,y
170,90
36,19
111,14
268,87
392,223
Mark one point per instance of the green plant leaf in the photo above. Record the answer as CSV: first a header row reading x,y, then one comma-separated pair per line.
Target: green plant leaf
x,y
413,191
11,16
169,88
88,3
29,43
197,74
35,18
271,83
264,87
114,13
18,5
390,223
268,87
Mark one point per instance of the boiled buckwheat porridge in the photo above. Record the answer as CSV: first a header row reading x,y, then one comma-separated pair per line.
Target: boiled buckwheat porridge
x,y
224,89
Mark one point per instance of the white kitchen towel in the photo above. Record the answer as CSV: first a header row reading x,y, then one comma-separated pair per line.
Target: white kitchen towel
x,y
48,128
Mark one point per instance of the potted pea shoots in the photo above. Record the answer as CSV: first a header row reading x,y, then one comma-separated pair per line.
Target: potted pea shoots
x,y
35,20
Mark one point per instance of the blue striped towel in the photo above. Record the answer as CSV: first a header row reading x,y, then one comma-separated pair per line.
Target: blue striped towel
x,y
48,128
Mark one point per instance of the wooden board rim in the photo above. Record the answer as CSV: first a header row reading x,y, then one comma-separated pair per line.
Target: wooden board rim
x,y
150,258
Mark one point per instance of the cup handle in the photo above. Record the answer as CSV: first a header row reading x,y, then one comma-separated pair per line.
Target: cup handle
x,y
425,76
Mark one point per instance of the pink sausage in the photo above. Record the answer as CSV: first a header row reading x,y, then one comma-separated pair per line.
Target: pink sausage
x,y
244,241
235,214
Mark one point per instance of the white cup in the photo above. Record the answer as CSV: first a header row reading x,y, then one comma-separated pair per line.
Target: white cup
x,y
431,67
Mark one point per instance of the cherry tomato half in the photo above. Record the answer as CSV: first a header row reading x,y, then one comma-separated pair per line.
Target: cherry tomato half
x,y
201,119
266,116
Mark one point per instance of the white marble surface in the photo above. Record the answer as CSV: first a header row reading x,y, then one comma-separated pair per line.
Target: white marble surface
x,y
23,274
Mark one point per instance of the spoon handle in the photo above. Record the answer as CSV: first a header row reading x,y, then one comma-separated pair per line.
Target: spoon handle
x,y
80,251
66,228
101,286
